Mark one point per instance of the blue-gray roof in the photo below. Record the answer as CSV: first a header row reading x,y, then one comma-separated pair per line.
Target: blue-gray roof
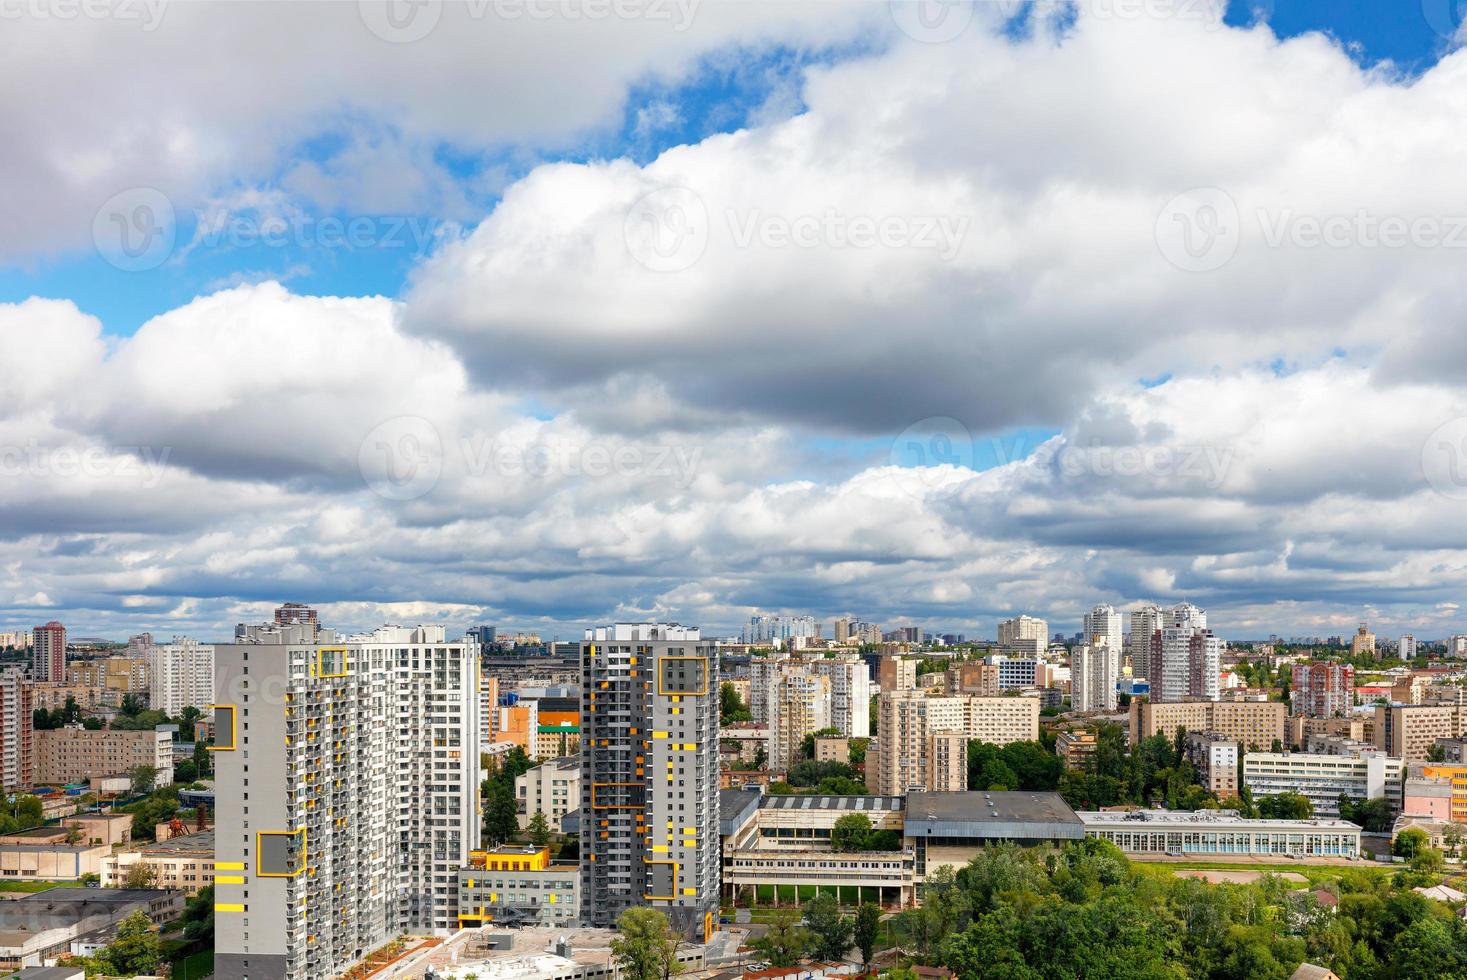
x,y
992,815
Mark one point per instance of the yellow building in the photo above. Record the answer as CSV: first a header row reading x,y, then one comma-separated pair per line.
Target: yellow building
x,y
1457,775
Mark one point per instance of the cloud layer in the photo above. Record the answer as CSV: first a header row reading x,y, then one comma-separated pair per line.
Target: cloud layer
x,y
693,387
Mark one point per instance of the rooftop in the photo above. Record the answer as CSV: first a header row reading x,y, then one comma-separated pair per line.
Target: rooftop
x,y
1216,818
854,803
991,815
203,841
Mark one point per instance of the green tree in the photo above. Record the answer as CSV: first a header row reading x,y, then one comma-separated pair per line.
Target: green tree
x,y
1285,806
203,763
1410,842
501,815
29,812
131,705
785,941
731,707
645,948
144,778
868,925
830,932
850,832
140,874
539,830
135,951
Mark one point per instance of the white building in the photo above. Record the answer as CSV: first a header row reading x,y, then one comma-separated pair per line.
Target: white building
x,y
1407,647
1209,832
1104,621
850,693
1094,668
1190,658
180,674
552,788
1024,635
1363,775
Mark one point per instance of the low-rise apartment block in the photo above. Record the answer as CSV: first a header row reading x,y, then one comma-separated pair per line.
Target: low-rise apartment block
x,y
1216,760
517,885
1323,779
552,788
183,863
1254,725
74,754
1075,747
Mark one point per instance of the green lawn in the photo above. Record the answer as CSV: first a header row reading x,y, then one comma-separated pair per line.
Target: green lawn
x,y
195,966
36,886
1316,873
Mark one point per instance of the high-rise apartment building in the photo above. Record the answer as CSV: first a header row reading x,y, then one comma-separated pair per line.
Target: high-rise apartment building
x,y
295,614
906,722
896,674
1143,640
180,674
347,780
973,677
1408,731
1362,644
1189,659
1406,649
649,775
1094,669
910,719
48,652
1024,635
763,671
780,630
799,706
850,693
17,758
948,771
1322,690
1104,621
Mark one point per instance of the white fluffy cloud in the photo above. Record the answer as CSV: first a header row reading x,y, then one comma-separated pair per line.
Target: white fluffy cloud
x,y
220,95
978,229
630,389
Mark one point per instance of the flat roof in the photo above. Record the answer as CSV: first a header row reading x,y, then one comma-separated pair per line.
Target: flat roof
x,y
1206,818
183,844
992,815
853,803
734,807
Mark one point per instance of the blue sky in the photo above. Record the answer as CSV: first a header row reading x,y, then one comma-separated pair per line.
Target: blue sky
x,y
720,97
